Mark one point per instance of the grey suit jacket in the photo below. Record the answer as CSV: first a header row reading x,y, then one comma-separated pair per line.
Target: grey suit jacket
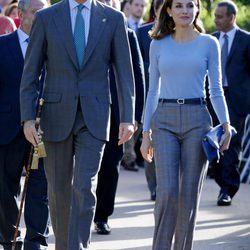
x,y
51,43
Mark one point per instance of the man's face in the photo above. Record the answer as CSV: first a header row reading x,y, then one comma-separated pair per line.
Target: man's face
x,y
137,8
222,20
27,16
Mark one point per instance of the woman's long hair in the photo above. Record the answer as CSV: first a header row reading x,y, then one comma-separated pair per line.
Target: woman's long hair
x,y
165,24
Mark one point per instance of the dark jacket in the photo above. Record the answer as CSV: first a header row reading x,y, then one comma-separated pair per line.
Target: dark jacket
x,y
238,72
11,67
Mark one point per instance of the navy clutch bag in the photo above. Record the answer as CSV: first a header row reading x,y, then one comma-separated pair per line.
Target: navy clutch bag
x,y
211,142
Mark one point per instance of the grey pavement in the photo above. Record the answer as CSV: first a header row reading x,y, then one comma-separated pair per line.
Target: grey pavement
x,y
218,228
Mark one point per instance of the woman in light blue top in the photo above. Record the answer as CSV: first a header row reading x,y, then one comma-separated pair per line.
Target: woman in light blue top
x,y
176,118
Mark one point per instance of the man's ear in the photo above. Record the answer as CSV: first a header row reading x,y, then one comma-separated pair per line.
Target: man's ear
x,y
233,18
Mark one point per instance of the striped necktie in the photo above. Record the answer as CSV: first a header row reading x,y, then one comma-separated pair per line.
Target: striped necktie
x,y
79,35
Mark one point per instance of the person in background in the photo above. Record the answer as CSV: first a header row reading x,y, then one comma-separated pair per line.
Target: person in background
x,y
109,171
125,8
151,13
11,11
14,148
144,41
235,62
7,25
137,11
132,158
176,118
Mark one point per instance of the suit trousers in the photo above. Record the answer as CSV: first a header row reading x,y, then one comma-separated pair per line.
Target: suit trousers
x,y
181,165
226,171
108,175
71,168
150,176
36,212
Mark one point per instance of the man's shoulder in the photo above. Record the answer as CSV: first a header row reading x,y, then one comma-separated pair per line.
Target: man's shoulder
x,y
4,39
244,33
107,9
146,27
51,9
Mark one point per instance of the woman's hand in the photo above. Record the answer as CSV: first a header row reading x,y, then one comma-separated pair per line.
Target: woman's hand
x,y
146,147
226,137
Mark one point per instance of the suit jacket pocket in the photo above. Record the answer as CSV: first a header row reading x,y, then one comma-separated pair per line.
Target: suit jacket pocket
x,y
52,97
5,108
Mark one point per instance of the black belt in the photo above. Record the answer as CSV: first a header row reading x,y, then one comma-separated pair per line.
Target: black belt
x,y
183,101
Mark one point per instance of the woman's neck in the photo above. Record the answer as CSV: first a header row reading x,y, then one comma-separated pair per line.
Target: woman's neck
x,y
183,35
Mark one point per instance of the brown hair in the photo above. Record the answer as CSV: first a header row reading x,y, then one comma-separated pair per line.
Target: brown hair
x,y
9,8
165,24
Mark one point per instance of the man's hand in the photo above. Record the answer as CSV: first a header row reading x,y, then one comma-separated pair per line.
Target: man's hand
x,y
126,131
30,132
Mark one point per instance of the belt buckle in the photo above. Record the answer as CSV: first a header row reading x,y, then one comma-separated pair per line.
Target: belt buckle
x,y
180,101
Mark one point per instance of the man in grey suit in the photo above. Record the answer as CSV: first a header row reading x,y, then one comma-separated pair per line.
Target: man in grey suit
x,y
76,117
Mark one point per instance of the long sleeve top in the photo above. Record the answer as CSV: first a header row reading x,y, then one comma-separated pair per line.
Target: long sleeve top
x,y
178,70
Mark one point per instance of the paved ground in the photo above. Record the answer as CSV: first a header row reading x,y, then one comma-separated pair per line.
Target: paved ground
x,y
218,228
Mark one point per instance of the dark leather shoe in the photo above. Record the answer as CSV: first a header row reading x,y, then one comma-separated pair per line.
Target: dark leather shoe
x,y
130,167
102,228
153,196
224,200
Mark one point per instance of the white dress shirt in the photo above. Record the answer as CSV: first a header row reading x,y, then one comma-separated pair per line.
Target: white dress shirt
x,y
85,13
230,35
134,24
22,36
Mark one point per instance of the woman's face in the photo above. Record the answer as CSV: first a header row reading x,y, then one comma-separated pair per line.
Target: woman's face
x,y
126,9
14,13
183,12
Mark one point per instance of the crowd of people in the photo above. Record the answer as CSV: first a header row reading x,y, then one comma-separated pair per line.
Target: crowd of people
x,y
96,67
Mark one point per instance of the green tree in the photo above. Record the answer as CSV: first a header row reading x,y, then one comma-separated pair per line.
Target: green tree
x,y
243,16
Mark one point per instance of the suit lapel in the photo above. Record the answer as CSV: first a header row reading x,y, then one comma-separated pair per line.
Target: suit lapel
x,y
217,35
98,20
15,50
234,44
63,22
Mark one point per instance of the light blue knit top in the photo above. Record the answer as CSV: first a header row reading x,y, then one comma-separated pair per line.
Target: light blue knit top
x,y
178,70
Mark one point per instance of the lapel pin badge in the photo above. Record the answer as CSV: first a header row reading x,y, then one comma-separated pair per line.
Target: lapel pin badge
x,y
104,20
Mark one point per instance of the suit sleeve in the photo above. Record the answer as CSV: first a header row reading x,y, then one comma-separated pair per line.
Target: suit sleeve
x,y
122,64
138,75
34,61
